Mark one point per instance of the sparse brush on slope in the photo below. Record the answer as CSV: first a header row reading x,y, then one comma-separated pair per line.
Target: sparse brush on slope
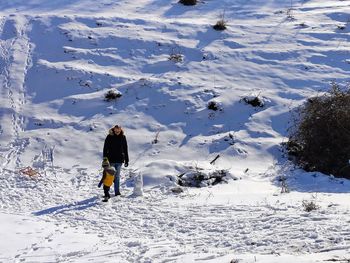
x,y
199,178
220,25
112,95
309,205
188,2
176,55
213,105
253,100
320,140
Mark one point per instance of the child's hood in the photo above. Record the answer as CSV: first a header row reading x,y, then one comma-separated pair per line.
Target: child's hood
x,y
110,170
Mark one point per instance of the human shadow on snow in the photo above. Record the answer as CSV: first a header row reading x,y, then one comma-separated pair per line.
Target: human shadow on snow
x,y
81,205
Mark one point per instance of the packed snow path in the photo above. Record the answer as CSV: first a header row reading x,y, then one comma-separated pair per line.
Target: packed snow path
x,y
15,54
162,226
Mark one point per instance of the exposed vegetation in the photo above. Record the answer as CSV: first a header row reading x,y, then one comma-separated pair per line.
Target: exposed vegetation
x,y
320,137
255,101
309,205
220,25
112,95
188,2
212,105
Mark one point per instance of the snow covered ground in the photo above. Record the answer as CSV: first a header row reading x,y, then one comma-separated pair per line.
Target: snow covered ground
x,y
59,58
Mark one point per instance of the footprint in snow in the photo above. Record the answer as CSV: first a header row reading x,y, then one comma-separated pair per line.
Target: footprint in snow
x,y
172,142
155,152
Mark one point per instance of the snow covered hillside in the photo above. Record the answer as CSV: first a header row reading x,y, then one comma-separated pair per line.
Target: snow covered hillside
x,y
58,59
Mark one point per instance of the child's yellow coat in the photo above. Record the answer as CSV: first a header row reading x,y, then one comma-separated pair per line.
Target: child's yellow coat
x,y
108,176
108,179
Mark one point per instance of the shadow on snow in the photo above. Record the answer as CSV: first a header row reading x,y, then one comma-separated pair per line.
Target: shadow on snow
x,y
81,205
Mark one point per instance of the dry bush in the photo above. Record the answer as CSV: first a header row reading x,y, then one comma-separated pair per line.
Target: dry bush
x,y
176,57
112,95
188,2
320,140
284,187
255,101
309,206
200,178
290,15
220,25
213,105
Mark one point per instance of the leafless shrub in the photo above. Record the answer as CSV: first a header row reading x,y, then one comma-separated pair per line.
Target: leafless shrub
x,y
188,2
112,95
199,178
284,186
212,105
290,15
309,205
156,138
320,138
176,55
255,101
221,24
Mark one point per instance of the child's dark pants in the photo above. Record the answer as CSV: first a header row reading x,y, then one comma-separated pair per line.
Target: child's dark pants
x,y
106,190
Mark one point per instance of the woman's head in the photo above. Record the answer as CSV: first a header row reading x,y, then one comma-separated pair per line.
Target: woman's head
x,y
117,129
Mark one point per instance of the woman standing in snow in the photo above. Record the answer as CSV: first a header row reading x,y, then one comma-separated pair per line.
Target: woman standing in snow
x,y
116,150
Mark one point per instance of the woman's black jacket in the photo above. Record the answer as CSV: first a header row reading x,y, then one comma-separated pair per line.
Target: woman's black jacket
x,y
116,148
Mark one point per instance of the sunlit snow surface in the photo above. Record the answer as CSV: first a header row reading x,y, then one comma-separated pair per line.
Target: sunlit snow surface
x,y
59,58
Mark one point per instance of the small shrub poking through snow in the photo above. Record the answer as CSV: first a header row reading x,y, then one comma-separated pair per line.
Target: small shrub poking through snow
x,y
188,2
320,138
309,206
255,101
201,178
220,25
341,27
212,105
112,95
284,187
175,57
290,15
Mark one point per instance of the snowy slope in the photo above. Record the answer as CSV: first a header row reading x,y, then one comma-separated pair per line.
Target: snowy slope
x,y
59,58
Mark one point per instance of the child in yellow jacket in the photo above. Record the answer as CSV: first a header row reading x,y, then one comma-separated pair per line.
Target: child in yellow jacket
x,y
107,178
